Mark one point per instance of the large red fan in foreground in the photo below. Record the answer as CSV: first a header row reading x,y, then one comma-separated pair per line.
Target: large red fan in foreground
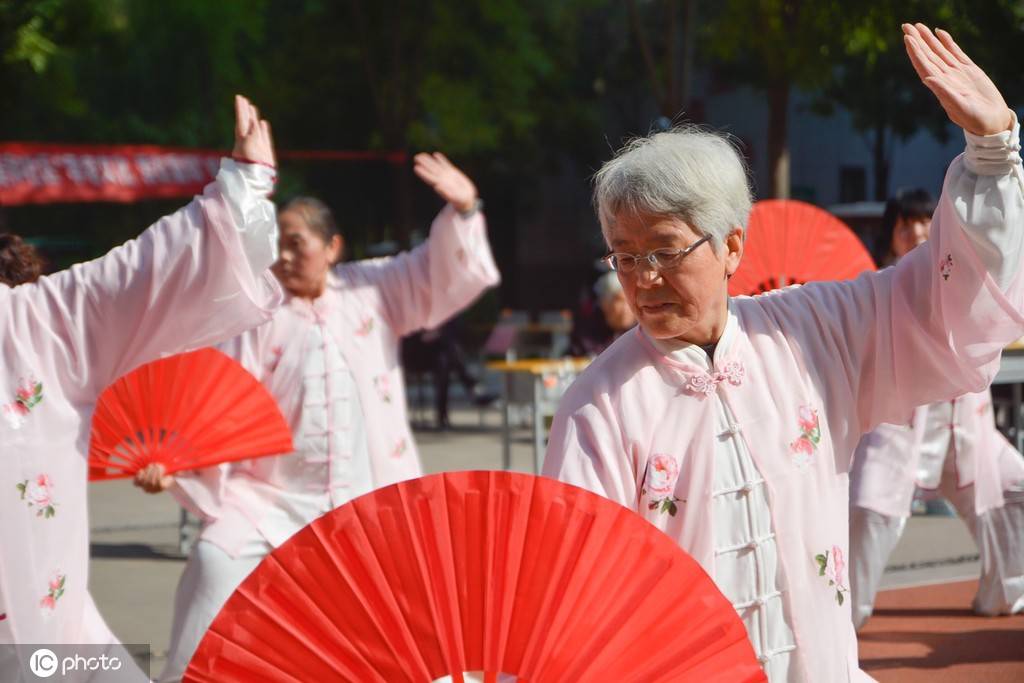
x,y
187,411
792,242
496,572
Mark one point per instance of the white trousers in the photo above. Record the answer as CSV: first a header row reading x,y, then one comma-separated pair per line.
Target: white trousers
x,y
998,533
209,579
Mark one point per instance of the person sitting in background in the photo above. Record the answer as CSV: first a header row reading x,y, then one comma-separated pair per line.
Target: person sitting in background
x,y
593,333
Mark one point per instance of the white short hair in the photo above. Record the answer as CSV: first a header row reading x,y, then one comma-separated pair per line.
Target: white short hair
x,y
689,173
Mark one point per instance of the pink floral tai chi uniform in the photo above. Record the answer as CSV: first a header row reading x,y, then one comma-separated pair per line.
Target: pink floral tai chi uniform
x,y
743,457
333,366
953,448
196,277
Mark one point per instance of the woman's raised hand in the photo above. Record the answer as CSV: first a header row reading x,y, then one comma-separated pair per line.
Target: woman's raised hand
x,y
253,143
967,94
451,184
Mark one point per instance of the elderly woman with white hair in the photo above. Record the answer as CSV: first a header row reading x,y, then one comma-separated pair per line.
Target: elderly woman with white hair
x,y
730,423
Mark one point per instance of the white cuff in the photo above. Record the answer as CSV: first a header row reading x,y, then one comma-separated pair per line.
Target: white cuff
x,y
245,188
996,154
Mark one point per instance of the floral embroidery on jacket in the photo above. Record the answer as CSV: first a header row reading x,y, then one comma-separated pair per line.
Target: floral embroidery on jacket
x,y
946,266
703,384
832,569
38,493
365,327
276,352
53,594
806,444
400,448
383,385
660,482
28,395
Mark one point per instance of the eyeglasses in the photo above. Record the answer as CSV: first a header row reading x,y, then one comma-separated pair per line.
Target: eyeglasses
x,y
659,259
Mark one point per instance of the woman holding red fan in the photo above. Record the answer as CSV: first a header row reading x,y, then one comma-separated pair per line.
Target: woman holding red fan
x,y
331,359
730,423
196,277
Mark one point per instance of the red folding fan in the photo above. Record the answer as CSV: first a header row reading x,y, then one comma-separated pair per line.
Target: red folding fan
x,y
497,572
187,411
792,242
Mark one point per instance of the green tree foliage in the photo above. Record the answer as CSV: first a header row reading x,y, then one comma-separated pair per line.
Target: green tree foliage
x,y
776,46
874,81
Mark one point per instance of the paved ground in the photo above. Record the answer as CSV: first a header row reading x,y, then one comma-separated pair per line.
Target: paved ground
x,y
928,634
135,564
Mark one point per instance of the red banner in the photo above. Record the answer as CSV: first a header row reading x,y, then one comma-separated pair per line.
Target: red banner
x,y
39,173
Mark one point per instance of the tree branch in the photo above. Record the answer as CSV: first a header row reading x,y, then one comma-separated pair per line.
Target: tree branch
x,y
645,50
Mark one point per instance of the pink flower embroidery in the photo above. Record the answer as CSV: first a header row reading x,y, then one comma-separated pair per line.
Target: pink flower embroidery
x,y
55,590
276,352
38,493
946,266
15,414
29,393
27,396
400,448
832,569
808,418
383,384
805,445
660,483
365,327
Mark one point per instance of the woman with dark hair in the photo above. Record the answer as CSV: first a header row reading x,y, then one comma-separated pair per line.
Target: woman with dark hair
x,y
331,359
905,224
19,261
196,277
952,447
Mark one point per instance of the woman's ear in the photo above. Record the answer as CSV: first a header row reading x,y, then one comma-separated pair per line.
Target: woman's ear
x,y
734,250
336,248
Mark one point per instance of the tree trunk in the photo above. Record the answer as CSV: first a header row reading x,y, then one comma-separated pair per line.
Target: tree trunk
x,y
778,148
686,75
881,162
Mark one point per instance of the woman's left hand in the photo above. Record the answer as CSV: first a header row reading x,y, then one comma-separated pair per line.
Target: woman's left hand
x,y
451,184
967,94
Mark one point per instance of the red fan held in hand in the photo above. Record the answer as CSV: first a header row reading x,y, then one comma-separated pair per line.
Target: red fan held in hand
x,y
187,411
503,573
792,242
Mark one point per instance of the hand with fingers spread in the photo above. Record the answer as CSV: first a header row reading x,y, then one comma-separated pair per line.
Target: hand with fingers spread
x,y
451,184
969,97
253,142
153,478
